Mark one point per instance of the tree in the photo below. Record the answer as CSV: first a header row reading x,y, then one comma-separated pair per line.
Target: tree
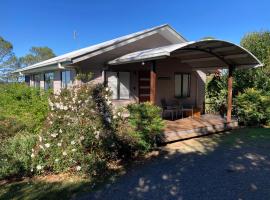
x,y
8,61
35,55
6,52
257,43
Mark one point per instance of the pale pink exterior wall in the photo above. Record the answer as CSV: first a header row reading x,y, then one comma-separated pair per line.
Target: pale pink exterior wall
x,y
165,88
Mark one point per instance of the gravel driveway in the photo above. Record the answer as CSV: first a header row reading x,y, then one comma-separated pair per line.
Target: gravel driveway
x,y
228,166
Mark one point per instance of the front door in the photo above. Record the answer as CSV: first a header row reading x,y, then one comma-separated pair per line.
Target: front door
x,y
144,86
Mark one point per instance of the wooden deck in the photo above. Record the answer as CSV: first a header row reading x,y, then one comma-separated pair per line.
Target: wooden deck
x,y
192,127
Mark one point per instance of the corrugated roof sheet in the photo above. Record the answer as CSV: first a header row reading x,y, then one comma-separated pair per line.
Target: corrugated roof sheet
x,y
215,49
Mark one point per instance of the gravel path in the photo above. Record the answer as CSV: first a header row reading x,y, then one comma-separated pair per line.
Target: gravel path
x,y
213,167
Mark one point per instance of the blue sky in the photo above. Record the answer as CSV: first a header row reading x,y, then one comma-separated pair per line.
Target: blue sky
x,y
51,23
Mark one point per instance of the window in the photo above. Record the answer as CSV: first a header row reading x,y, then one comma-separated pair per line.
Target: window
x,y
48,80
65,79
182,85
36,80
119,84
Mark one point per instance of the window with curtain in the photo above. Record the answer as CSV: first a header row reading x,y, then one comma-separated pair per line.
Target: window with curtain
x,y
119,84
65,78
48,80
182,84
36,80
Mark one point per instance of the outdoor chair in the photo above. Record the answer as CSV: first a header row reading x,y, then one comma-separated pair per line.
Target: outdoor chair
x,y
187,107
168,108
176,104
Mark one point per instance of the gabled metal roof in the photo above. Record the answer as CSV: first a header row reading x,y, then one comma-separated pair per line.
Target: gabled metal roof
x,y
100,48
199,54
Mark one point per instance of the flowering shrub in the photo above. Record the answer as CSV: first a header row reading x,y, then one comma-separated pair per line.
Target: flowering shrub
x,y
78,134
82,134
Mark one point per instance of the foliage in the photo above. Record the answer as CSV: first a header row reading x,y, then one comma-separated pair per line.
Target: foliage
x,y
21,108
257,43
77,135
8,60
216,94
6,51
81,133
253,107
145,118
36,54
84,77
15,155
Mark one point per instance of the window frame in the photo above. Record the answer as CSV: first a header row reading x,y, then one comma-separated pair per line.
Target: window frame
x,y
118,84
35,81
65,85
182,80
46,81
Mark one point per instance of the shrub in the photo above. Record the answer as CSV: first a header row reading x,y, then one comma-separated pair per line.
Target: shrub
x,y
9,126
15,155
79,132
147,124
22,106
82,134
253,107
216,94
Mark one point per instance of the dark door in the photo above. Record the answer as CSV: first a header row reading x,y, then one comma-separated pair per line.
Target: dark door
x,y
144,86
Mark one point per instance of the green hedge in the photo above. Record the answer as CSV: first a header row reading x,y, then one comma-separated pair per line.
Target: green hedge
x,y
21,108
253,107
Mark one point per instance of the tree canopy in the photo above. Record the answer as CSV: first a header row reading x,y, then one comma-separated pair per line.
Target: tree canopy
x,y
9,62
35,55
6,53
257,43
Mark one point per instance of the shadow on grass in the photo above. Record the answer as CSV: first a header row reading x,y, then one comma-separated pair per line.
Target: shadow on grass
x,y
234,165
41,190
59,188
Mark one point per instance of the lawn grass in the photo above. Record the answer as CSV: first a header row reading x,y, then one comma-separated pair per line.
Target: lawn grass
x,y
63,186
250,136
45,189
70,186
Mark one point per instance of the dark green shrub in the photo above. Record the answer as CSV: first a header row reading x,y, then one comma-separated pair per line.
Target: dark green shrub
x,y
253,107
10,126
145,119
15,155
22,106
216,94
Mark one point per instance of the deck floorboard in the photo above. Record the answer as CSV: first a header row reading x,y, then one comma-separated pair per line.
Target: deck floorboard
x,y
192,127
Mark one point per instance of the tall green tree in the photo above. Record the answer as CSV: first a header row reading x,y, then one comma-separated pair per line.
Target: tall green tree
x,y
257,43
8,61
35,55
6,51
